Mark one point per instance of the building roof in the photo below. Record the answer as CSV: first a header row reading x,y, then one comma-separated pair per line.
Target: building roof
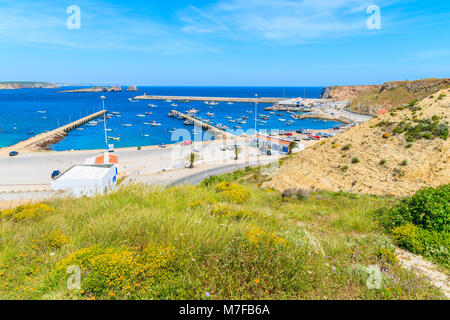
x,y
86,172
273,139
110,158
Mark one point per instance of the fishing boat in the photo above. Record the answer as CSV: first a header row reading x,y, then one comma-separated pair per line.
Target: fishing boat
x,y
193,111
154,124
149,113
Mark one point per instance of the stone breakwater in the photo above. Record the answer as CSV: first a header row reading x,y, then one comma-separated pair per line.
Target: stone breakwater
x,y
43,140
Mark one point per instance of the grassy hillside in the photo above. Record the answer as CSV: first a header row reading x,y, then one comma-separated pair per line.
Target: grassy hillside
x,y
395,94
215,241
397,153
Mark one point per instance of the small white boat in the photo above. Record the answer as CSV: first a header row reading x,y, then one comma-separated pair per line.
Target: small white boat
x,y
168,100
141,115
152,105
154,124
127,125
42,111
132,100
80,129
114,138
282,120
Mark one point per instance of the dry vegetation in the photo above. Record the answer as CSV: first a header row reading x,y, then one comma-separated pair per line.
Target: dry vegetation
x,y
396,153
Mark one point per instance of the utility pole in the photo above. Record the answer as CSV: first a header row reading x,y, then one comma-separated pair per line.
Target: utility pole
x,y
256,120
104,120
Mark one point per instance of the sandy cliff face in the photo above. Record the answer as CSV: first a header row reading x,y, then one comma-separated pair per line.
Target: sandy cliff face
x,y
329,167
346,92
373,99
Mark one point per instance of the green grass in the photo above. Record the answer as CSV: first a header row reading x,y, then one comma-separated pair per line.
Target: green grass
x,y
263,248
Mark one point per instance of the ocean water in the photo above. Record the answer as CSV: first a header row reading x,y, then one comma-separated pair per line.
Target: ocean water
x,y
27,112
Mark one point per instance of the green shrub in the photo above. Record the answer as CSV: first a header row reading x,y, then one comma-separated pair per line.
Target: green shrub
x,y
356,160
347,147
383,162
429,209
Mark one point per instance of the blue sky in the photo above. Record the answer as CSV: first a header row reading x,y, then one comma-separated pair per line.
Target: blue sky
x,y
224,42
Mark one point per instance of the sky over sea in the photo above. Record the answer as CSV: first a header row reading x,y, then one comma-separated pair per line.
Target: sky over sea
x,y
224,42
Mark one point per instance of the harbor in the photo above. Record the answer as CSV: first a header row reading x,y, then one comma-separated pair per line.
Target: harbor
x,y
43,140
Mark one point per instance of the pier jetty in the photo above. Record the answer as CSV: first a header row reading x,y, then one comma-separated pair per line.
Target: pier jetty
x,y
216,99
43,140
216,132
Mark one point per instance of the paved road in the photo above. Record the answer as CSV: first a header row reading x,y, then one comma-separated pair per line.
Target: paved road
x,y
33,171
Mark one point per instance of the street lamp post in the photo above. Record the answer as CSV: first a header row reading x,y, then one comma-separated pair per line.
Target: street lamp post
x,y
104,120
256,120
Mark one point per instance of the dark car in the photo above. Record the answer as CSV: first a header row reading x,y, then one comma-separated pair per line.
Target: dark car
x,y
13,154
56,174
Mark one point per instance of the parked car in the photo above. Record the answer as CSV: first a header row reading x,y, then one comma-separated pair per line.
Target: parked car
x,y
56,174
13,154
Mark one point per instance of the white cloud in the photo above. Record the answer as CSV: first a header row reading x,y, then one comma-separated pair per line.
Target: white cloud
x,y
293,21
103,26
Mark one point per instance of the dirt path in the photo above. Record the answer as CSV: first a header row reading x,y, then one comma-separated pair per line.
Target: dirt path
x,y
424,268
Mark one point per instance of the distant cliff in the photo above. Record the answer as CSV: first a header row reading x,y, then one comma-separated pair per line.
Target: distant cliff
x,y
96,89
132,88
27,85
373,99
346,92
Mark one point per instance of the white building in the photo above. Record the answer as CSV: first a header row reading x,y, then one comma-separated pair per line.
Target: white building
x,y
87,180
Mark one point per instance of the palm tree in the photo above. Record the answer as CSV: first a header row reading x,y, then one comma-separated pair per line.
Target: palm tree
x,y
292,146
191,158
237,151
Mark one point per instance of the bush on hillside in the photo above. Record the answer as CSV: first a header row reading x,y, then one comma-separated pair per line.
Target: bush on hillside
x,y
429,209
28,212
233,192
421,223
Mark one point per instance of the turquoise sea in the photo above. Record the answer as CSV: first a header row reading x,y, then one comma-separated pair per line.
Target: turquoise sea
x,y
27,112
